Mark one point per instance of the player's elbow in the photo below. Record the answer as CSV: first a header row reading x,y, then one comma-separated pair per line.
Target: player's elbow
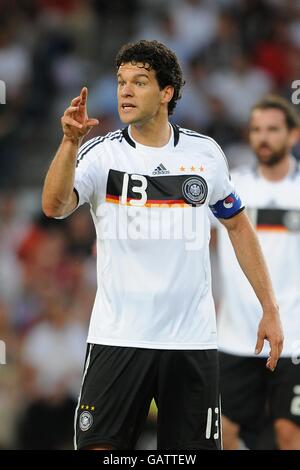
x,y
51,205
50,211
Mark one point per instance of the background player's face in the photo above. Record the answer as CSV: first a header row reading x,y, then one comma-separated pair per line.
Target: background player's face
x,y
139,96
269,136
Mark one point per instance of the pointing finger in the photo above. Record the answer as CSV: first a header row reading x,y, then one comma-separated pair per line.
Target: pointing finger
x,y
83,96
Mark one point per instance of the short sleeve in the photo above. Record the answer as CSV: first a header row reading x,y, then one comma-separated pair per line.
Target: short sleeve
x,y
224,201
88,172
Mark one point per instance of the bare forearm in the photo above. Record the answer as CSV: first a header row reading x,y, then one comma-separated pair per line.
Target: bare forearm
x,y
59,183
251,260
250,257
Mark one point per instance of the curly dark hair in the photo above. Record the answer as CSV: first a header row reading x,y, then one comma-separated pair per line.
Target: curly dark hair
x,y
155,56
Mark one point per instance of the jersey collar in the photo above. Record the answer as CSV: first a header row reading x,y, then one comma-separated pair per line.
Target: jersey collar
x,y
132,143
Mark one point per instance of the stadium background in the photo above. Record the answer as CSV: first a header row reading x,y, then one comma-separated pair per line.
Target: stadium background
x,y
233,52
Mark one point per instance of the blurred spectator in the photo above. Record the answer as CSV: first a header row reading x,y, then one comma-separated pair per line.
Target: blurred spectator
x,y
103,102
225,44
220,128
54,254
163,28
255,19
12,229
15,64
15,71
193,110
80,233
51,358
239,87
196,23
10,385
272,54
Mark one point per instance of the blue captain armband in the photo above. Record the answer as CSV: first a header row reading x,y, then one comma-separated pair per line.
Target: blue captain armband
x,y
228,207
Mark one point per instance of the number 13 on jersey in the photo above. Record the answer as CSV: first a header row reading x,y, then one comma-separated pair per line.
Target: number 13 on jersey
x,y
136,189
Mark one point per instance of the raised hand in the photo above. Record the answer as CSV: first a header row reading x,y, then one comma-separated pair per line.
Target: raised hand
x,y
75,121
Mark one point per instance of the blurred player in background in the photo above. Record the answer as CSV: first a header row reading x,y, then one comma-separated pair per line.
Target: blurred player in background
x,y
152,331
271,192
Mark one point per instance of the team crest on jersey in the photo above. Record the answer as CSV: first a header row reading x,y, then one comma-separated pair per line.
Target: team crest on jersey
x,y
85,420
195,190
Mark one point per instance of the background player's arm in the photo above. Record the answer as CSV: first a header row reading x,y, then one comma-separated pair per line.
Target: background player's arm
x,y
58,196
251,260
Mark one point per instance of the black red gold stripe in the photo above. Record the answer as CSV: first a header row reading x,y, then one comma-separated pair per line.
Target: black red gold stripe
x,y
160,190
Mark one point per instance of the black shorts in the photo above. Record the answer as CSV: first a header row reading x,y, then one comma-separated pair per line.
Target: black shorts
x,y
120,382
250,392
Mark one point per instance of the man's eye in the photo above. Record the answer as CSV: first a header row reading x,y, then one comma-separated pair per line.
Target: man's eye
x,y
140,83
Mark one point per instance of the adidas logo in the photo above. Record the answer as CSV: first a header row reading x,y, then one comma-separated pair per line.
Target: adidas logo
x,y
160,170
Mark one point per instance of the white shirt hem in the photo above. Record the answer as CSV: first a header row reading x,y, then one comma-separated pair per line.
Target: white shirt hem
x,y
151,345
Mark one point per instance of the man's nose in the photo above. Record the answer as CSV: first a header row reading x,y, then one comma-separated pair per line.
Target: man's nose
x,y
127,90
263,135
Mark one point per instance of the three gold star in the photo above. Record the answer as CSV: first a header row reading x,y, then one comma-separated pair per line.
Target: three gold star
x,y
192,168
86,407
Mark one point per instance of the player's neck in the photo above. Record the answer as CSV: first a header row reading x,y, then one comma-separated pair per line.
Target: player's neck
x,y
153,133
279,171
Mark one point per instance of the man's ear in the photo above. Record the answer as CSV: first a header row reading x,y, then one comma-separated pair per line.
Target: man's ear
x,y
167,94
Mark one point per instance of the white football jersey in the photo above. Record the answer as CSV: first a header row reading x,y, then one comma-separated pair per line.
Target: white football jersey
x,y
150,209
274,208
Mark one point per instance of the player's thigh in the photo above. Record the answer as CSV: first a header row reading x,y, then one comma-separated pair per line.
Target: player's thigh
x,y
115,396
243,390
285,391
188,400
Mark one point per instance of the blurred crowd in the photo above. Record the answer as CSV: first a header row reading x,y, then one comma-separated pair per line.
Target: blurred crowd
x,y
47,288
233,52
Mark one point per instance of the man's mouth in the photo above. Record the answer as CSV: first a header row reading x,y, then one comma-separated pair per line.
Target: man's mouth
x,y
127,106
264,147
